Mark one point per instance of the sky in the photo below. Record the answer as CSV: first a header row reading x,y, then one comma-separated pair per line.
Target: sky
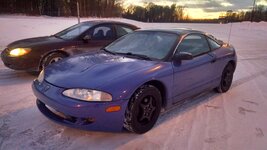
x,y
203,9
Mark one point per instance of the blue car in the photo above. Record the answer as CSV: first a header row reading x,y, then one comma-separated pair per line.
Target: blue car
x,y
130,82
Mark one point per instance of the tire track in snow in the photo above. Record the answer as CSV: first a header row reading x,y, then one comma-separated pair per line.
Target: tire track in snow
x,y
216,134
5,131
253,58
195,125
10,74
248,78
9,77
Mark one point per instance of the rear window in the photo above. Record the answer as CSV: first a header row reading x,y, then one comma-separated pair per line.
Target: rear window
x,y
122,30
213,44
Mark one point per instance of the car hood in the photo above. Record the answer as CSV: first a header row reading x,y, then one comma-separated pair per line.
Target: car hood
x,y
32,42
92,70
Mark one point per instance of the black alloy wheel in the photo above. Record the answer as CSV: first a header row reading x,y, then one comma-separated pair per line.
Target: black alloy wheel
x,y
143,109
226,78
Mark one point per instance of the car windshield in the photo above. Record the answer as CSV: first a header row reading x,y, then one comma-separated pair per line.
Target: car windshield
x,y
73,31
153,45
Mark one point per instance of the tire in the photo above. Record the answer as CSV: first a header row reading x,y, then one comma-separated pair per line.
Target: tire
x,y
143,109
226,79
33,73
52,58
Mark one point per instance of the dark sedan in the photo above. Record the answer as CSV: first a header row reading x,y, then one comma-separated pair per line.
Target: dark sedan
x,y
36,53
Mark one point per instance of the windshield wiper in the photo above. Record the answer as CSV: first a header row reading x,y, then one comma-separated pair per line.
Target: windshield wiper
x,y
104,49
136,55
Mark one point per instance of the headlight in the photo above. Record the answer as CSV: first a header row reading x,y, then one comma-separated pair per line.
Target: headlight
x,y
41,76
19,52
87,95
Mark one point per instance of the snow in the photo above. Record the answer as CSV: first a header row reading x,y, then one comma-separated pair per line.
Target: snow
x,y
231,121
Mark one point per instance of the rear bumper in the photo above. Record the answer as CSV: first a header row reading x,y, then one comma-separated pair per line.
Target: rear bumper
x,y
77,114
19,63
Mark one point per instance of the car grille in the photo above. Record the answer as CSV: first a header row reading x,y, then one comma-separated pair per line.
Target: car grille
x,y
81,121
61,115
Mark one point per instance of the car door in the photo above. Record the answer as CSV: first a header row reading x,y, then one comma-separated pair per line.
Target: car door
x,y
192,76
216,50
96,38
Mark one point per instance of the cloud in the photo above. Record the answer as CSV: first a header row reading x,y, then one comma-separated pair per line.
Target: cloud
x,y
204,8
210,5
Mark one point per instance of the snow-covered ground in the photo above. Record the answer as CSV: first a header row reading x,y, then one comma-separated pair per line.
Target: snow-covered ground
x,y
235,120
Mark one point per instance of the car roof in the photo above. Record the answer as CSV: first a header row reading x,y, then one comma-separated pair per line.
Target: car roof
x,y
179,31
96,22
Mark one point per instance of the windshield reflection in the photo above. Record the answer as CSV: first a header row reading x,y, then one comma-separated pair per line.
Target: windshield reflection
x,y
152,44
73,31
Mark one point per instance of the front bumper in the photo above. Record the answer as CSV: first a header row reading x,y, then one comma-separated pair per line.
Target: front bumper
x,y
19,63
77,114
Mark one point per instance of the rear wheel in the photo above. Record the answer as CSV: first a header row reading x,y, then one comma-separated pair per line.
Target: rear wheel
x,y
143,109
226,78
52,58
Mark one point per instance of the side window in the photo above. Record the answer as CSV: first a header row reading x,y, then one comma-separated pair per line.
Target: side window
x,y
103,33
194,44
213,45
122,30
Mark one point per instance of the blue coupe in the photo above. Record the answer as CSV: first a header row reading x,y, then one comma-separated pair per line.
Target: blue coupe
x,y
129,82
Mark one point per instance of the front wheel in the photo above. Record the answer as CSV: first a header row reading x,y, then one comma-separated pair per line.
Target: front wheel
x,y
226,79
143,109
52,58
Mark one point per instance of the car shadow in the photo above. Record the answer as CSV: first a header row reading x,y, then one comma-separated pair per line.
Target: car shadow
x,y
186,105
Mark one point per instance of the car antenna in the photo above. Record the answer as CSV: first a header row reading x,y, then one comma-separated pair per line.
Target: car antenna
x,y
78,12
230,32
231,25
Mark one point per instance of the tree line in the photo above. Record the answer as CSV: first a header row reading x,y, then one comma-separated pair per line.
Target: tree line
x,y
258,14
154,13
150,12
97,8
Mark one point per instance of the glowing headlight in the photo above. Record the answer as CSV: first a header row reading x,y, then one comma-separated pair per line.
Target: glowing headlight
x,y
41,76
19,52
87,95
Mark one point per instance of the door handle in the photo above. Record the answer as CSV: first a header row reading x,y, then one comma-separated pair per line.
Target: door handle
x,y
213,60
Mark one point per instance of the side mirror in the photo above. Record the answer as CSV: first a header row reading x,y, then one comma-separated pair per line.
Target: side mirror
x,y
87,38
183,56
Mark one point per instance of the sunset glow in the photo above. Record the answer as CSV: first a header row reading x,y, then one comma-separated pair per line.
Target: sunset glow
x,y
202,9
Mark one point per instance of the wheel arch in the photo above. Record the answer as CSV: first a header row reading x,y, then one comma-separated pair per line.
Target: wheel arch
x,y
161,87
232,62
129,118
50,52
